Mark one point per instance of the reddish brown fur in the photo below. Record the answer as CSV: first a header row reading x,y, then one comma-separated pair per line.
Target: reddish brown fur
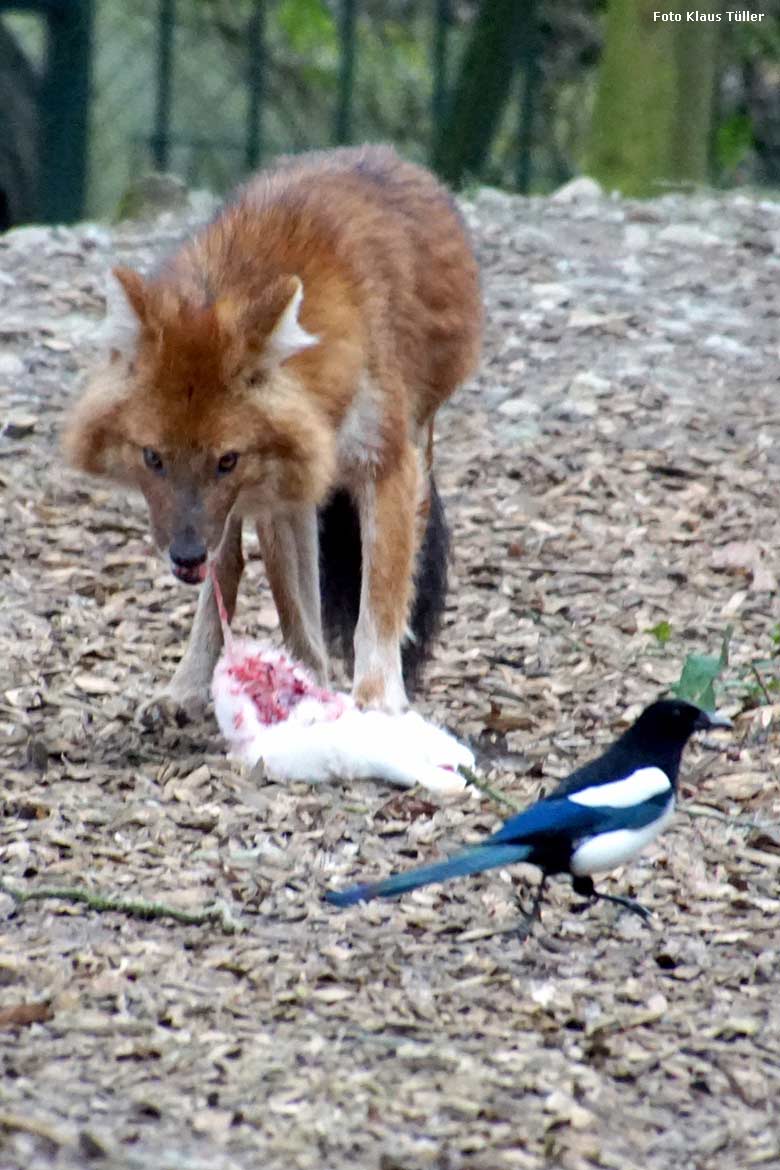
x,y
390,289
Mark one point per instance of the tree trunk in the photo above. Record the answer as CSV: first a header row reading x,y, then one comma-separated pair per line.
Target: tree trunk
x,y
482,88
696,61
652,120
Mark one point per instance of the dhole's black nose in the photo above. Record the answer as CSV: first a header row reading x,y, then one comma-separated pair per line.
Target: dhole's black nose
x,y
188,553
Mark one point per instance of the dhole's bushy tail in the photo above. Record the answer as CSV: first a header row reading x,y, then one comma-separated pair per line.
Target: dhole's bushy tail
x,y
340,572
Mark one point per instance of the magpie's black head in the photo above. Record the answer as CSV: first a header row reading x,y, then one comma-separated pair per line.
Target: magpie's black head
x,y
672,722
655,740
659,735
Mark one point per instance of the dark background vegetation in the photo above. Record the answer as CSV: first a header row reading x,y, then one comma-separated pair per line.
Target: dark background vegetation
x,y
522,94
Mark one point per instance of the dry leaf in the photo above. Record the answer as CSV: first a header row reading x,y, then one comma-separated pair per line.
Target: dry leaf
x,y
20,1014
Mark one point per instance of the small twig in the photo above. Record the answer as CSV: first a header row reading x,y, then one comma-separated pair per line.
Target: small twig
x,y
574,570
506,693
37,1128
738,820
761,683
218,914
473,779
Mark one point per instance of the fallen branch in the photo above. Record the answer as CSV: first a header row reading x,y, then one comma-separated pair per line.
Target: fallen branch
x,y
133,908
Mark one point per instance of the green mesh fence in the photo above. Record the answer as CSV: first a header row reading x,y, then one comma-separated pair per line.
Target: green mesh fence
x,y
95,92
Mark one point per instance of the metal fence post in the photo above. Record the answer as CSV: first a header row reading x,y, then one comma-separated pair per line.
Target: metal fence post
x,y
439,95
160,141
343,126
65,111
529,61
255,85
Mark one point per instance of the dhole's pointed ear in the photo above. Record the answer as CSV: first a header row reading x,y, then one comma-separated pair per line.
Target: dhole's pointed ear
x,y
287,336
130,284
127,310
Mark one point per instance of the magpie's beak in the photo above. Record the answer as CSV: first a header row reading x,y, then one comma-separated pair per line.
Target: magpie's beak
x,y
707,720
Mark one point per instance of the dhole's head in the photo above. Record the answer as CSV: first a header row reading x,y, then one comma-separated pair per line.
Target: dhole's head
x,y
201,404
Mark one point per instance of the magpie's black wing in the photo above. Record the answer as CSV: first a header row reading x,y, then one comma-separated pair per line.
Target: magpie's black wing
x,y
548,819
564,820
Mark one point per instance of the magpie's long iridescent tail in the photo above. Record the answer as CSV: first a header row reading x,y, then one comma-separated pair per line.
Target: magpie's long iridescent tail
x,y
474,861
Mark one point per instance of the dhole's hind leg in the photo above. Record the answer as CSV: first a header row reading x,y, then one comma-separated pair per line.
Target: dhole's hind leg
x,y
290,547
387,508
188,690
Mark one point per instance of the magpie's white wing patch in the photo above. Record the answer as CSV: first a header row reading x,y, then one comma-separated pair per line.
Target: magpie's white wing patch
x,y
607,850
631,790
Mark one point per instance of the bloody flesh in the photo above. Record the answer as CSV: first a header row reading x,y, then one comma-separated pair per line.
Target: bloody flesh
x,y
275,685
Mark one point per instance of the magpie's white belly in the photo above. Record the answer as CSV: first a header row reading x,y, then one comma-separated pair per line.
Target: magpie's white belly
x,y
608,850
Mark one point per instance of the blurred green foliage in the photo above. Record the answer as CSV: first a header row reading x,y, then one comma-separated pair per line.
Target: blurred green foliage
x,y
661,631
307,25
699,674
734,142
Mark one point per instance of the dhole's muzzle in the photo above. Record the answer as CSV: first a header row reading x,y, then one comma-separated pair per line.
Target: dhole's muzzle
x,y
188,555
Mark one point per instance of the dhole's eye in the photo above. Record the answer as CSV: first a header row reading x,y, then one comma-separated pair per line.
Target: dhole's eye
x,y
227,462
152,460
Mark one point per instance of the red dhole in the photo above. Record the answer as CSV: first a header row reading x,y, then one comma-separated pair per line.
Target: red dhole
x,y
292,355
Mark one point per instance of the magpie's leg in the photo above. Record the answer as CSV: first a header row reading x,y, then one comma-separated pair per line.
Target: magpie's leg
x,y
585,888
635,907
535,913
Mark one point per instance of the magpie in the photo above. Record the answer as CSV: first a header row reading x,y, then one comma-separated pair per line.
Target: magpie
x,y
599,817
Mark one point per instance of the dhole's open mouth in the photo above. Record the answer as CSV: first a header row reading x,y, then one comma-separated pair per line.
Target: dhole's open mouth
x,y
190,574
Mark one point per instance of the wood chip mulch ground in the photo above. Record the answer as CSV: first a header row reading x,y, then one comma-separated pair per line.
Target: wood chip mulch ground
x,y
615,466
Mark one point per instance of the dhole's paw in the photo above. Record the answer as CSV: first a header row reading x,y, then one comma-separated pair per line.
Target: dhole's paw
x,y
373,694
379,703
172,706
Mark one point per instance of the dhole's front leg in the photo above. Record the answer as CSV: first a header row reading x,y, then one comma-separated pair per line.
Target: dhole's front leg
x,y
189,688
387,509
289,543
